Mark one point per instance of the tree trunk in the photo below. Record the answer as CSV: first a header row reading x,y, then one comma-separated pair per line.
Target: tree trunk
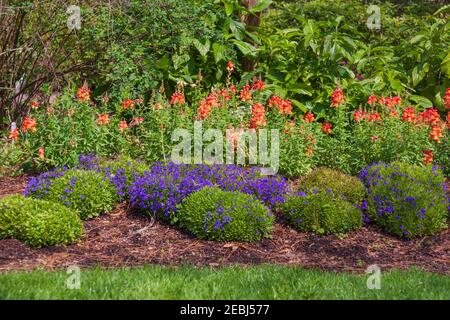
x,y
252,21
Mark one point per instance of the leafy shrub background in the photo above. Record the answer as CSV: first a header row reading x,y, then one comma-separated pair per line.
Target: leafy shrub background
x,y
406,200
321,212
214,214
37,222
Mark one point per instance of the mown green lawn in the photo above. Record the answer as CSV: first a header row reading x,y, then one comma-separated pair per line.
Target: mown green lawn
x,y
262,282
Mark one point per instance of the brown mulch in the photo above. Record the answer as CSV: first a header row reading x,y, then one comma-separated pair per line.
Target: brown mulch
x,y
123,238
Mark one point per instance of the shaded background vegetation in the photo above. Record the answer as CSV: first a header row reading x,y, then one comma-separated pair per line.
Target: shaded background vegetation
x,y
129,48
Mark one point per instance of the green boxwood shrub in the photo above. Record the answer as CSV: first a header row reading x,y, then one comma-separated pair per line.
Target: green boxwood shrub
x,y
87,192
339,183
214,214
321,212
406,200
38,222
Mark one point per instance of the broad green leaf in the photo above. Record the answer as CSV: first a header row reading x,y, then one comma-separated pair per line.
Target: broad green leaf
x,y
418,73
422,101
260,6
228,8
299,105
219,52
246,48
202,47
163,63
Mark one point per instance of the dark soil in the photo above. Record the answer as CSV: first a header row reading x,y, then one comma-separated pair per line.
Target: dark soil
x,y
123,238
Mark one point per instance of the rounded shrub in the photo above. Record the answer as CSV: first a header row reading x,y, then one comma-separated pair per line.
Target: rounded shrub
x,y
340,183
219,215
121,172
321,212
38,222
87,192
406,200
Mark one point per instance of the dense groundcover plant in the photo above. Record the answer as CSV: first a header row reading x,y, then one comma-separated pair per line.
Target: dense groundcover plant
x,y
37,222
406,200
321,212
351,188
121,171
214,214
161,189
87,192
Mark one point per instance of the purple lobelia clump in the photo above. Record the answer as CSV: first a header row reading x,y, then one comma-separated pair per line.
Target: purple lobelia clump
x,y
160,190
119,172
406,200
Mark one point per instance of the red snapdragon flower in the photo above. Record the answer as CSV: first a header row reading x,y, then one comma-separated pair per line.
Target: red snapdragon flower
x,y
337,97
309,117
409,115
177,98
359,115
372,100
258,85
430,116
374,117
327,128
230,66
447,99
41,153
34,104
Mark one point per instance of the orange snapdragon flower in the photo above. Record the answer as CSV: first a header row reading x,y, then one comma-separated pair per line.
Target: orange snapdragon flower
x,y
84,94
245,94
259,116
428,156
128,104
103,119
29,124
436,134
123,125
14,134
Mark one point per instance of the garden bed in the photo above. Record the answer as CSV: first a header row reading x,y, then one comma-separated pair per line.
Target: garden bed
x,y
123,238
